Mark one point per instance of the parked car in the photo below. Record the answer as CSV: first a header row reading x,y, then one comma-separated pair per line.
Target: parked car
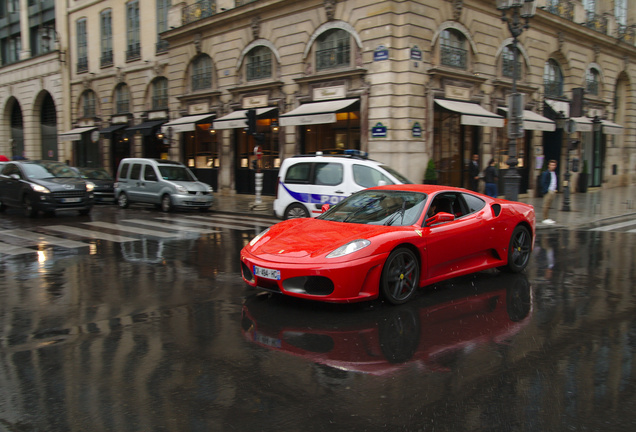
x,y
44,185
104,191
389,241
305,183
166,184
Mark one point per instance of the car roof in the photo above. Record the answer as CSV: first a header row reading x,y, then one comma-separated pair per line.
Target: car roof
x,y
424,188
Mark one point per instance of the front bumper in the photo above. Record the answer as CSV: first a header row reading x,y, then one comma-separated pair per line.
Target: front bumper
x,y
337,282
54,202
192,200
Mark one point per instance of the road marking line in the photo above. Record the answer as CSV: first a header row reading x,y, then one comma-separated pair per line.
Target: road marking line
x,y
39,238
615,226
131,229
170,226
90,234
8,249
246,227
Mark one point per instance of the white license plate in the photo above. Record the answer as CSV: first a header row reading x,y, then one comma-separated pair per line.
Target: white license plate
x,y
266,340
266,273
71,200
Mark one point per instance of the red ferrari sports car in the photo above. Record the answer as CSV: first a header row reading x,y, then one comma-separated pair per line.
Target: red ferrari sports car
x,y
390,240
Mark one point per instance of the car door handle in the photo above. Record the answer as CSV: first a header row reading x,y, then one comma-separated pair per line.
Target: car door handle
x,y
339,192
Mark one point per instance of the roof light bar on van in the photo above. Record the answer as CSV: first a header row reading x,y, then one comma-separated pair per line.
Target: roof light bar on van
x,y
356,153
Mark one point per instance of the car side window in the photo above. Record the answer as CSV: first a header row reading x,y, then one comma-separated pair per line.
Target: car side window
x,y
11,169
135,171
123,172
368,177
473,203
298,173
149,173
329,174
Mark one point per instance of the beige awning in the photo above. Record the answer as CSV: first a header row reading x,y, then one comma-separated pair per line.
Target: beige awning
x,y
534,121
186,124
611,128
75,134
238,119
472,113
315,112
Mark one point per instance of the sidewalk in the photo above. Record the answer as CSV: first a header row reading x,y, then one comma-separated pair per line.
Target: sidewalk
x,y
586,209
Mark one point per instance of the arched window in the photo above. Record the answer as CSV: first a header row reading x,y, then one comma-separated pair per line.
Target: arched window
x,y
160,93
201,73
592,82
453,49
88,104
122,99
552,79
507,62
333,49
259,63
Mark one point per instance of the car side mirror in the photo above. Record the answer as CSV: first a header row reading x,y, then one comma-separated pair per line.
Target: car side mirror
x,y
325,207
15,176
440,217
381,183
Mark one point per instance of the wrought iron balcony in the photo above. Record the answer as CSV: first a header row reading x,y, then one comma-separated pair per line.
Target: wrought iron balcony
x,y
626,33
82,64
238,3
106,59
199,10
562,8
162,46
596,22
133,52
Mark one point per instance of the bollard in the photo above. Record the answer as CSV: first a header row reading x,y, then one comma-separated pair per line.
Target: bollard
x,y
258,182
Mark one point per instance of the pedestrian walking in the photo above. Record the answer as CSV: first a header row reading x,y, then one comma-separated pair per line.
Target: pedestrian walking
x,y
491,179
473,173
549,187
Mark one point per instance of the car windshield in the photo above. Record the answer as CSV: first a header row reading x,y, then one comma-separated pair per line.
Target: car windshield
x,y
44,170
378,207
396,174
176,173
94,174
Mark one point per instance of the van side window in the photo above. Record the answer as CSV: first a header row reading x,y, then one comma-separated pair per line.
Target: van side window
x,y
149,173
368,177
329,174
298,173
123,172
135,171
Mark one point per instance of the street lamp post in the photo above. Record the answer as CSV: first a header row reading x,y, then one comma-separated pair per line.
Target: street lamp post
x,y
518,9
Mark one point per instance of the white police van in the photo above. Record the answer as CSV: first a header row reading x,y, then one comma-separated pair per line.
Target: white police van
x,y
307,182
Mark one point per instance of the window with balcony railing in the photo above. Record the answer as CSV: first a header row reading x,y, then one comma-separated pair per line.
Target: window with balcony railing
x,y
82,46
259,64
122,99
452,49
596,22
160,94
133,52
199,10
562,8
333,49
106,58
163,6
552,79
592,82
133,45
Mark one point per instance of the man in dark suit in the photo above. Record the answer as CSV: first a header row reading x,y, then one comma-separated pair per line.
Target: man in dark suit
x,y
473,173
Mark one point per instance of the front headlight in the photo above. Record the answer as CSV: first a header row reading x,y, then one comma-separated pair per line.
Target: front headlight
x,y
210,190
40,189
181,189
90,186
258,237
350,247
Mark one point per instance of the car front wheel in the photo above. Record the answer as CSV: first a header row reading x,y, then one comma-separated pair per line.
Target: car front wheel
x,y
122,200
519,250
400,276
295,211
166,203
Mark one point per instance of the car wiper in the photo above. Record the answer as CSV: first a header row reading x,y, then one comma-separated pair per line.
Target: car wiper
x,y
400,212
363,208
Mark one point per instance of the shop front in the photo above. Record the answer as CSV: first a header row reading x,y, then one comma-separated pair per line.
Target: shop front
x,y
247,160
198,144
148,137
457,136
328,126
114,136
85,146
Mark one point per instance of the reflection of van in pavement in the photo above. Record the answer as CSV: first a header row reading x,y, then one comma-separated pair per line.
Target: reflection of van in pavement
x,y
166,184
305,183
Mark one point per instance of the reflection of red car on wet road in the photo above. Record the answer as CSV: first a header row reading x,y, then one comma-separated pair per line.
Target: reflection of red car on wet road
x,y
428,332
390,240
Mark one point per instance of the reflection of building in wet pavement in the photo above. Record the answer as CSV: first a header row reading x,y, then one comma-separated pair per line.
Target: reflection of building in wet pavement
x,y
159,347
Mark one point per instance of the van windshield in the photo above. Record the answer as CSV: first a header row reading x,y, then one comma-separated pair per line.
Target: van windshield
x,y
176,173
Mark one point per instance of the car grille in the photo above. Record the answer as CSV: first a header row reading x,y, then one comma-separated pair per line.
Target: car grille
x,y
198,193
69,194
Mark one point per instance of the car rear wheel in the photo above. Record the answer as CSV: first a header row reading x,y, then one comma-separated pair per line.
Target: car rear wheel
x,y
27,207
296,211
519,250
400,276
122,200
166,203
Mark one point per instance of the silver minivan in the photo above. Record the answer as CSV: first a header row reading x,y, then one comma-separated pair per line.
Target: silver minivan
x,y
164,183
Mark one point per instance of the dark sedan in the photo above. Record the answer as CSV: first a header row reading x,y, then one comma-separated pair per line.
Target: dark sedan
x,y
46,186
104,191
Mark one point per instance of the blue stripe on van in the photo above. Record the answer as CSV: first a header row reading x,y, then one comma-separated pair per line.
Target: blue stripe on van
x,y
308,198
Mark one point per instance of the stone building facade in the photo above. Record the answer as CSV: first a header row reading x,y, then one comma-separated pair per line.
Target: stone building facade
x,y
408,82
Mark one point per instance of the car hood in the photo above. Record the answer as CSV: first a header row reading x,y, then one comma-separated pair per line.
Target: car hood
x,y
192,186
300,238
56,184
